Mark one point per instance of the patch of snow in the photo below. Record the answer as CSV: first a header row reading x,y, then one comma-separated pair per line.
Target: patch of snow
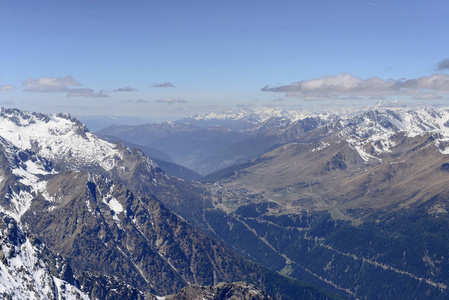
x,y
67,291
321,146
113,204
365,156
89,208
24,276
21,203
33,168
377,127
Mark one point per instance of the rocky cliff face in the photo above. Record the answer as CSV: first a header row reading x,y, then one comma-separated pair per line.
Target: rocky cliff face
x,y
106,229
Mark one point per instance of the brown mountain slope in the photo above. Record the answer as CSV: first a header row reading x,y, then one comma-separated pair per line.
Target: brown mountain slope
x,y
332,175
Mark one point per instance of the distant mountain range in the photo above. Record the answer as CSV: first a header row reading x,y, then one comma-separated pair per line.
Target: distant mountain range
x,y
161,159
244,118
207,143
188,145
212,148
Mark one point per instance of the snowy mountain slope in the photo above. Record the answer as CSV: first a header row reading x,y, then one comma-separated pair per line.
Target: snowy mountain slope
x,y
24,274
22,178
376,129
56,143
373,128
372,124
64,140
57,137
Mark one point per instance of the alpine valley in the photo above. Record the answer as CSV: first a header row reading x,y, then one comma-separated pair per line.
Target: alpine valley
x,y
286,205
355,202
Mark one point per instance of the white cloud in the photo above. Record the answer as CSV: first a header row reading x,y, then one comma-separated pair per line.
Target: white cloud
x,y
60,85
165,84
85,93
347,86
167,100
6,88
125,89
47,82
170,100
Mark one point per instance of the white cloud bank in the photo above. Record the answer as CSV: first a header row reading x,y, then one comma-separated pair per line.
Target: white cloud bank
x,y
60,85
345,85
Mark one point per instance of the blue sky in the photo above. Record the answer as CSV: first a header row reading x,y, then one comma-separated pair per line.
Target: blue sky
x,y
168,59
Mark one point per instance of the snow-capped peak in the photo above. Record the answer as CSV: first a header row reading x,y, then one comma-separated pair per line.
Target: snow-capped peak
x,y
36,146
377,127
56,137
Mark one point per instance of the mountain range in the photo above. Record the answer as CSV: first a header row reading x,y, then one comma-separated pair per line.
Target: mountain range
x,y
86,218
355,204
209,146
348,202
376,159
